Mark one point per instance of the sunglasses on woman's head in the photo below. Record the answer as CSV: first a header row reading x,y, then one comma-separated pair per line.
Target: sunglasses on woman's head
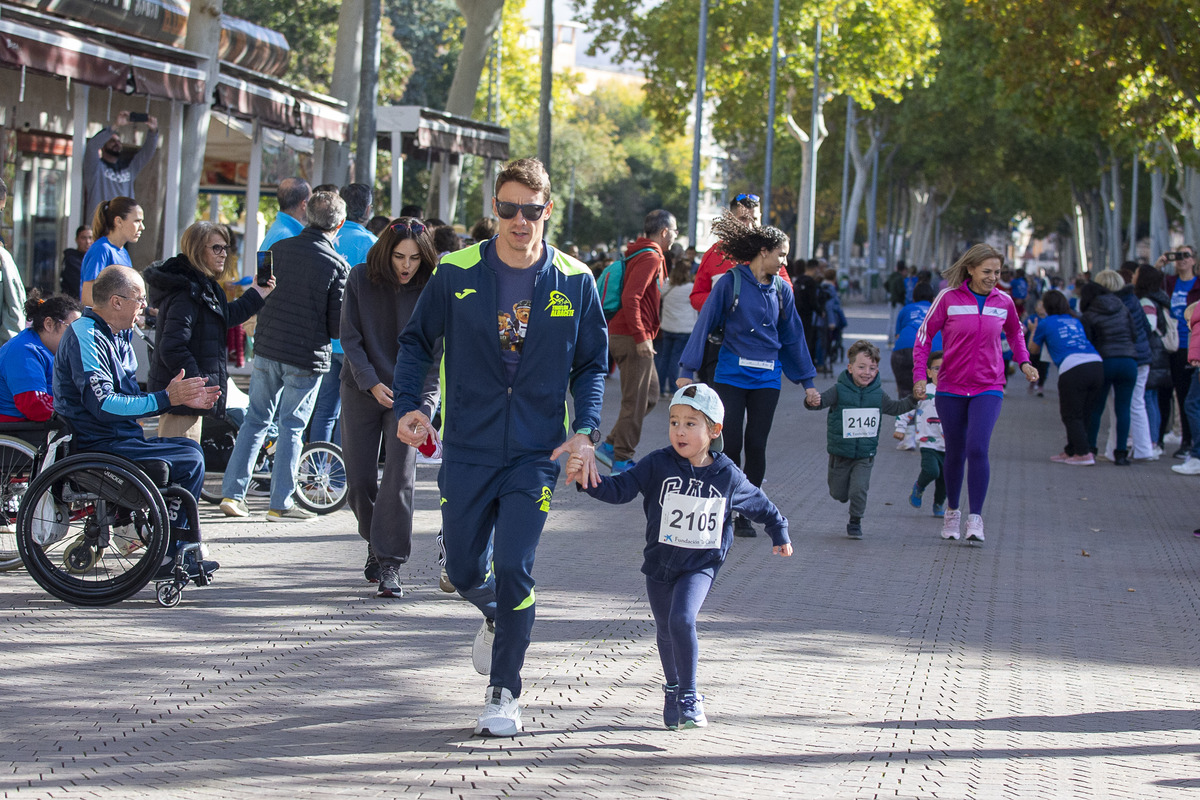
x,y
530,211
752,199
411,226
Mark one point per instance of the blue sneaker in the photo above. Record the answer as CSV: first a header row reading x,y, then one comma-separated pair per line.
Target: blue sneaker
x,y
914,499
604,454
671,707
939,509
621,466
691,710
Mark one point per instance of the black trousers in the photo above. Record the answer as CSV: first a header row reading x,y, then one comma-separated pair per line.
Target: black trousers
x,y
1079,390
1181,377
748,417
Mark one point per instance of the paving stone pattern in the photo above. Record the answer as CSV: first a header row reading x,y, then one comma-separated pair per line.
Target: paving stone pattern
x,y
1059,659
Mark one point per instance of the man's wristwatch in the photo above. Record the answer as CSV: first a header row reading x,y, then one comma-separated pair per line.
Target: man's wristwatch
x,y
593,434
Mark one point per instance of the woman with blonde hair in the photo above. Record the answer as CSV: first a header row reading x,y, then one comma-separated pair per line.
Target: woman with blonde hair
x,y
972,315
193,319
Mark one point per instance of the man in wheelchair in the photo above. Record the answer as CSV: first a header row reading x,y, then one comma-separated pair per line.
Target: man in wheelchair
x,y
96,391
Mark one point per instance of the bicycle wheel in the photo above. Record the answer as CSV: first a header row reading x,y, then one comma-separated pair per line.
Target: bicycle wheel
x,y
16,464
92,529
321,478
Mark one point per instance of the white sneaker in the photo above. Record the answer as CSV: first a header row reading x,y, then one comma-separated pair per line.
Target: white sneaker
x,y
1158,451
501,715
950,523
1171,437
1189,467
974,528
481,650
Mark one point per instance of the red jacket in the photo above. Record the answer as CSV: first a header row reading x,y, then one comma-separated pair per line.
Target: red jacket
x,y
641,295
715,264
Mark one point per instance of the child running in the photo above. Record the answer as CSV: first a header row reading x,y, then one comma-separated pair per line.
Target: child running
x,y
924,419
690,491
852,432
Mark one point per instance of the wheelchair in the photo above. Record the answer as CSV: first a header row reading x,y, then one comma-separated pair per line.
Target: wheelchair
x,y
320,479
93,528
19,447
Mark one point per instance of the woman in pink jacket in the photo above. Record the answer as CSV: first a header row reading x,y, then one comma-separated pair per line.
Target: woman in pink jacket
x,y
971,315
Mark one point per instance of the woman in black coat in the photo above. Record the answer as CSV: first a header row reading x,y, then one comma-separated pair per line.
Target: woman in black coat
x,y
1109,327
193,318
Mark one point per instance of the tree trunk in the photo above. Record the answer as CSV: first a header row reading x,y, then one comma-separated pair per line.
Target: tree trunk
x,y
801,244
365,143
203,36
1114,224
347,64
483,17
1160,234
862,173
1131,253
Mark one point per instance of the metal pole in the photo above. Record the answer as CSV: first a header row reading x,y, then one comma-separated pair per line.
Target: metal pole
x,y
811,211
697,134
846,243
766,194
571,209
547,84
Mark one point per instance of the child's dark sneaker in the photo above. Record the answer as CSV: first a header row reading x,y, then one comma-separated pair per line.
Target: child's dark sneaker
x,y
854,530
743,527
671,707
914,499
691,710
939,509
371,568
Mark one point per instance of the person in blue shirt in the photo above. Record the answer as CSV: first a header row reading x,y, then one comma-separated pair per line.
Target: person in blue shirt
x,y
908,322
689,493
1183,290
293,195
762,339
27,359
116,223
1080,373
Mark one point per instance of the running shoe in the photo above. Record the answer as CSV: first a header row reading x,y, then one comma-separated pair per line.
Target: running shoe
x,y
371,568
1061,458
389,582
939,509
259,488
501,715
974,528
671,707
621,466
293,514
1085,460
1189,467
444,583
481,649
950,523
691,710
914,499
854,530
743,527
234,508
605,455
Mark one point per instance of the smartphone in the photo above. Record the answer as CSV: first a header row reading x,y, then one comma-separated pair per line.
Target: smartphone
x,y
265,268
138,116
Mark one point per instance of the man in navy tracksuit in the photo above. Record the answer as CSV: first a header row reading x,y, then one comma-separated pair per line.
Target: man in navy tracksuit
x,y
96,390
522,324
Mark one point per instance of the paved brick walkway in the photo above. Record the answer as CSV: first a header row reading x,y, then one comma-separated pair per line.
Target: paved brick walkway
x,y
1060,659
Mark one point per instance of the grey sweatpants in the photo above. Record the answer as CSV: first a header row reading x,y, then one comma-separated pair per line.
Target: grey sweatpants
x,y
383,507
849,479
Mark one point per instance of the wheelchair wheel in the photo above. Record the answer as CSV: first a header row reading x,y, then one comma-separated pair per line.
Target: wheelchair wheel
x,y
210,492
16,465
92,529
321,478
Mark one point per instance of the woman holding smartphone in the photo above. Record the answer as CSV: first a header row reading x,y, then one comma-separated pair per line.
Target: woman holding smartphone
x,y
193,319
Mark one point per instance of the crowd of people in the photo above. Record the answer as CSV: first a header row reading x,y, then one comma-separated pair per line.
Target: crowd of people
x,y
369,331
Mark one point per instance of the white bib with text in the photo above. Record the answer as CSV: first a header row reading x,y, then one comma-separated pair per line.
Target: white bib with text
x,y
692,522
860,423
750,363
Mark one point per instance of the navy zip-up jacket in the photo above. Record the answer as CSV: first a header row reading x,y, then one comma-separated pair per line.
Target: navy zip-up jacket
x,y
95,383
666,471
485,420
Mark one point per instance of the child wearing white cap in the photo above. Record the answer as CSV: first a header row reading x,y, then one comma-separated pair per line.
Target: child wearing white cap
x,y
691,490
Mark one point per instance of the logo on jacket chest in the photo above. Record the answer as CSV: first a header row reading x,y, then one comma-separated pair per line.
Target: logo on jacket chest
x,y
560,305
691,487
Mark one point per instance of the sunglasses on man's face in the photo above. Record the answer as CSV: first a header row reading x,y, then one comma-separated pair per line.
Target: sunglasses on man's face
x,y
530,211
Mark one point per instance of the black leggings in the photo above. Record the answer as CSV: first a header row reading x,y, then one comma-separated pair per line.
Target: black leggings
x,y
1181,377
755,410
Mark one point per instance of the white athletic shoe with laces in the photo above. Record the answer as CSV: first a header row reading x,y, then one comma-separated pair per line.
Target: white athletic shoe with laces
x,y
950,523
974,528
501,715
